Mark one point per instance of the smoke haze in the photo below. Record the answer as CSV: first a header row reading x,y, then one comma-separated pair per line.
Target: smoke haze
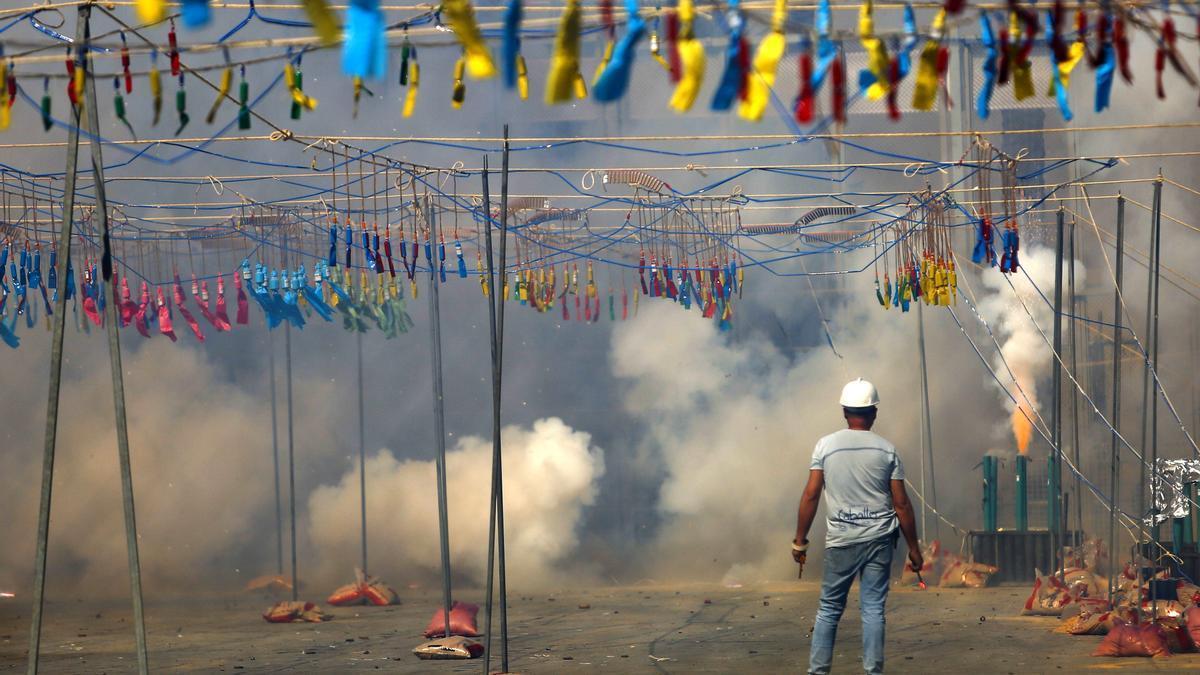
x,y
1023,349
550,476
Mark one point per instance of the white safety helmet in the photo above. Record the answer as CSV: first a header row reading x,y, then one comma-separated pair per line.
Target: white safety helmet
x,y
859,394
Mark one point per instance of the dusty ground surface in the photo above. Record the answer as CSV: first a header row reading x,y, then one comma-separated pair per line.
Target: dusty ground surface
x,y
665,629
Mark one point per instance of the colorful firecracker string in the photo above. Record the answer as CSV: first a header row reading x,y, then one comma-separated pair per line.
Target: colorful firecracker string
x,y
372,222
1011,34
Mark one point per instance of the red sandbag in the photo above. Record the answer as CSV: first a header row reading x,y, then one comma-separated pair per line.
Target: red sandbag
x,y
1084,583
449,648
1088,623
962,574
1189,594
350,594
1048,598
298,611
1127,639
364,591
380,594
977,575
462,621
1191,619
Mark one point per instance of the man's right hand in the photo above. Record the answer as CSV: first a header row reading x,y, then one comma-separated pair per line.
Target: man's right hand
x,y
916,559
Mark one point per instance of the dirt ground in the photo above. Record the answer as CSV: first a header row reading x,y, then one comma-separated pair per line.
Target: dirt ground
x,y
665,629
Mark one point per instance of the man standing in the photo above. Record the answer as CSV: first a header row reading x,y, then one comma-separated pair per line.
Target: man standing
x,y
866,503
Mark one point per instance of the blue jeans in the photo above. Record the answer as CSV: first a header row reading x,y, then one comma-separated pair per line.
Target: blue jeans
x,y
872,562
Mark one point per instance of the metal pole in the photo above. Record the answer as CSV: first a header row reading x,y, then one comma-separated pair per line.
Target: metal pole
x,y
989,490
1114,481
114,360
275,456
1157,278
1143,511
439,416
1022,480
1055,478
927,435
291,446
362,454
500,371
491,549
56,358
496,321
1072,335
921,432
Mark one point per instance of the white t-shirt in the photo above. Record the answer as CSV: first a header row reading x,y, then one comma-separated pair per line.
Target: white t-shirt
x,y
859,467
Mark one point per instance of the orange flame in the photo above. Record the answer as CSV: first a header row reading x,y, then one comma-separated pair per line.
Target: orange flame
x,y
1022,427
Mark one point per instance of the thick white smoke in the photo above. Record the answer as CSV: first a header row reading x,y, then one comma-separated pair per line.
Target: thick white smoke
x,y
550,476
201,472
202,466
1024,349
731,425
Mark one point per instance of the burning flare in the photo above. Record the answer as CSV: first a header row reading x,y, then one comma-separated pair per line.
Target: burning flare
x,y
1022,427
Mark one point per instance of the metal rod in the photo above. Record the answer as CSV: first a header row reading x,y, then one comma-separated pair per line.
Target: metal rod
x,y
927,435
921,434
1156,278
1055,477
989,493
114,360
362,453
1143,510
1146,382
499,372
1114,452
439,415
1022,480
56,357
491,548
1073,337
275,455
291,451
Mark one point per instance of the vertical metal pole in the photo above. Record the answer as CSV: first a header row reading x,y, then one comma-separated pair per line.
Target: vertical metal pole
x,y
491,548
362,453
496,323
56,357
1055,477
439,416
291,446
1073,337
114,359
924,491
500,370
989,493
1143,511
927,435
275,455
1189,492
1157,279
1114,481
1022,480
1193,535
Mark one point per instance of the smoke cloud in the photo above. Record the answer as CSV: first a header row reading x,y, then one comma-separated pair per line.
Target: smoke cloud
x,y
550,476
202,466
1022,346
201,479
731,425
724,426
